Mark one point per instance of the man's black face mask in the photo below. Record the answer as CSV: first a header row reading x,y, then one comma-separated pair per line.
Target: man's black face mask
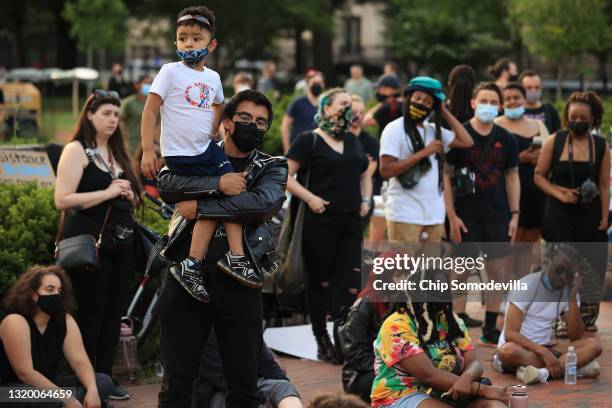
x,y
247,137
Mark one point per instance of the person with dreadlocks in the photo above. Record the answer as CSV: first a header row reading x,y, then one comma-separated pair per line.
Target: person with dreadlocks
x,y
528,344
425,358
573,170
412,155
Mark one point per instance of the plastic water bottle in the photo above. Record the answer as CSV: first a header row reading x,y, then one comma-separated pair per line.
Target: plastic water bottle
x,y
497,364
570,366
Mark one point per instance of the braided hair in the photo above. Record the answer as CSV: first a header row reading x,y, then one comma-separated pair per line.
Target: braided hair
x,y
589,98
425,317
410,127
461,81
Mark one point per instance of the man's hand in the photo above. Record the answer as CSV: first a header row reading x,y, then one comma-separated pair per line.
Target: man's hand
x,y
461,388
574,286
456,227
551,362
513,226
188,209
231,184
364,210
434,147
92,400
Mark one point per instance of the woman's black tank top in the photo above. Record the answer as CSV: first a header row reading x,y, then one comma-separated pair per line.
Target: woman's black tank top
x,y
46,349
90,220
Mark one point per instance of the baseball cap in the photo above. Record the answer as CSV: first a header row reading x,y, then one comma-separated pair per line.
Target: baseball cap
x,y
389,80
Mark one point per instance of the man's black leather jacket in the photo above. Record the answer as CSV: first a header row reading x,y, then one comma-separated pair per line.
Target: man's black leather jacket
x,y
266,184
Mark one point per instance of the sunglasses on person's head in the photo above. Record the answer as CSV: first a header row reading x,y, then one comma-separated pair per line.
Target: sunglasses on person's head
x,y
102,93
246,118
562,270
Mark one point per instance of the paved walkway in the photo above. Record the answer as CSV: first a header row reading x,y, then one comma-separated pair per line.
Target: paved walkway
x,y
313,377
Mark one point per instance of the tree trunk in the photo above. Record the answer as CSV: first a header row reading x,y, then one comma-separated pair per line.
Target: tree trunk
x,y
559,94
602,60
323,55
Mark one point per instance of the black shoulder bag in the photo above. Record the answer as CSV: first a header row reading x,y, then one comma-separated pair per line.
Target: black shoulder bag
x,y
463,181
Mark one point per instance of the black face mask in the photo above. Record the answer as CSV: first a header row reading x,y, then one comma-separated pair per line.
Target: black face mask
x,y
316,89
380,97
578,128
513,78
247,137
50,304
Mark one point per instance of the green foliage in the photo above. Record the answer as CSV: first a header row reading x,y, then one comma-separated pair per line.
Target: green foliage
x,y
28,221
152,219
436,35
272,142
559,29
97,24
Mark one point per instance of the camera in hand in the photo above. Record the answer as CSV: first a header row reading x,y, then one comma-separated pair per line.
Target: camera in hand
x,y
464,182
588,191
536,142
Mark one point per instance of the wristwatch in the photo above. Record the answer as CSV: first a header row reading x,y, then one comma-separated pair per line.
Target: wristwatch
x,y
517,212
365,199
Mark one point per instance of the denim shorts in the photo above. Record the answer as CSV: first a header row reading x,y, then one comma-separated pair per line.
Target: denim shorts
x,y
410,401
213,162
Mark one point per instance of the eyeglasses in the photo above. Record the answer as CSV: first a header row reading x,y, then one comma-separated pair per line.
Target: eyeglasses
x,y
102,93
246,118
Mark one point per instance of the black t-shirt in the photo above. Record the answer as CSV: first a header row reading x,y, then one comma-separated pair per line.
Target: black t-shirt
x,y
490,203
369,145
334,177
547,114
302,112
1,97
388,112
218,245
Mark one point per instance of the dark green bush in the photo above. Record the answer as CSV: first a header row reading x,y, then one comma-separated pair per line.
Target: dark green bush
x,y
28,222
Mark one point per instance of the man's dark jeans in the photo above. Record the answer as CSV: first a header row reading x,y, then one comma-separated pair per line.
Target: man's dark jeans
x,y
236,313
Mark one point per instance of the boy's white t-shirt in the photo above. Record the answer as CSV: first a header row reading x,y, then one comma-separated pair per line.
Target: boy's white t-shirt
x,y
186,110
423,204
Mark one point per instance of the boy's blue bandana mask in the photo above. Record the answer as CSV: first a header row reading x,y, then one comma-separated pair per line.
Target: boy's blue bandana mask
x,y
192,57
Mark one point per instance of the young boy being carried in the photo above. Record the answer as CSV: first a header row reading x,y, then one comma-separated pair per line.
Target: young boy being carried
x,y
190,98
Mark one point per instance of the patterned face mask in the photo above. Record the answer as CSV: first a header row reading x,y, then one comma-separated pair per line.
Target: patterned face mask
x,y
192,57
337,124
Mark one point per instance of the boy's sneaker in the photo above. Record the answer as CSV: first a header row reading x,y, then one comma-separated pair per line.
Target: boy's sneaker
x,y
189,275
490,337
118,393
240,268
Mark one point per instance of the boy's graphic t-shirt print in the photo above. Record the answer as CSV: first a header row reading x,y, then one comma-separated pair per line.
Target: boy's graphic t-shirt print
x,y
198,95
187,116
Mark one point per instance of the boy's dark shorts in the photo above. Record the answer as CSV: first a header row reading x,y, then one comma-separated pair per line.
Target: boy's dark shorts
x,y
213,162
490,238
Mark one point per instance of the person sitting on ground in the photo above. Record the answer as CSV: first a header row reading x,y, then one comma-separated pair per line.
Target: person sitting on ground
x,y
273,386
38,332
425,358
358,332
526,344
336,400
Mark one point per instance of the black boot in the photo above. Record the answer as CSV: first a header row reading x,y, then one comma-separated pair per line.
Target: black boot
x,y
325,349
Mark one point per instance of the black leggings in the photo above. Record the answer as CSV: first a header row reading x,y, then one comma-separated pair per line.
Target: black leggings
x,y
102,298
332,253
362,386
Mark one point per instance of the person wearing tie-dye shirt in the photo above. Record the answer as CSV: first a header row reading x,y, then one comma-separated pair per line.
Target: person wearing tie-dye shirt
x,y
425,358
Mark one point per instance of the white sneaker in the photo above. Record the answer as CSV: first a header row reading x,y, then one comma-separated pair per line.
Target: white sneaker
x,y
527,374
590,370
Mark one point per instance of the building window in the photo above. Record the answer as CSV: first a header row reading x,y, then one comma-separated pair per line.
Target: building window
x,y
351,35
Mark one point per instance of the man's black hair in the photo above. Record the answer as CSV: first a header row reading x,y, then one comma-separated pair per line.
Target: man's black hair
x,y
198,11
247,95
